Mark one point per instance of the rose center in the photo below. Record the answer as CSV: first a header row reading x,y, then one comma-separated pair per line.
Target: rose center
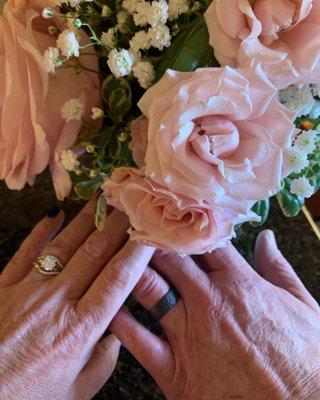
x,y
214,138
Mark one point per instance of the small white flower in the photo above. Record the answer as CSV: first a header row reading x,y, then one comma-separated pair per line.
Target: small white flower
x,y
158,13
302,187
143,10
68,43
122,19
120,62
109,39
130,5
298,99
295,160
140,41
72,110
315,112
97,113
51,59
75,3
145,73
69,160
106,11
176,8
315,90
306,141
48,13
160,36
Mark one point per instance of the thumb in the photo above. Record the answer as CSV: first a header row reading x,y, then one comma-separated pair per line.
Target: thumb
x,y
98,369
275,268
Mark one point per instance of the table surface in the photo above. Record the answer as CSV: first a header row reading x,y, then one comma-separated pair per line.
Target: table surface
x,y
19,211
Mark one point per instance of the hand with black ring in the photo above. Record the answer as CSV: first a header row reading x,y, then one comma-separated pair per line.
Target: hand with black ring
x,y
233,334
52,343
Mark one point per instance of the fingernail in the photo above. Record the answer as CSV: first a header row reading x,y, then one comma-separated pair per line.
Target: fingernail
x,y
54,212
270,239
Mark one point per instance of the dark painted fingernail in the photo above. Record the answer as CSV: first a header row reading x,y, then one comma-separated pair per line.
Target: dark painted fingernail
x,y
54,212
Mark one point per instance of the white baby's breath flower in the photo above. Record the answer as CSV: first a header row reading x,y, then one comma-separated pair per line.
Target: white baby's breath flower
x,y
97,113
176,8
158,13
51,59
122,19
109,39
302,187
145,73
72,110
295,160
69,160
298,99
106,11
315,112
75,3
160,36
68,43
140,41
143,11
130,5
120,62
48,13
315,90
306,141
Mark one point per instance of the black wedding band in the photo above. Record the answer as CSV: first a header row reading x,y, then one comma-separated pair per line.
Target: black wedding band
x,y
168,301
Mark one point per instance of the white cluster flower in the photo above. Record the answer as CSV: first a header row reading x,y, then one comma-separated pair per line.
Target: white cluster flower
x,y
305,142
130,5
315,90
299,100
120,62
109,38
295,160
302,187
51,59
97,113
140,17
68,43
69,160
176,8
140,41
122,19
315,112
145,73
160,36
72,110
158,13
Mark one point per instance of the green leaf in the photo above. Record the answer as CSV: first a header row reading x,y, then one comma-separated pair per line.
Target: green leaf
x,y
118,96
262,208
100,213
290,204
87,189
189,51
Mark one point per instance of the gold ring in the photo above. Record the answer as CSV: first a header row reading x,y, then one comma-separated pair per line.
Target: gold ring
x,y
48,265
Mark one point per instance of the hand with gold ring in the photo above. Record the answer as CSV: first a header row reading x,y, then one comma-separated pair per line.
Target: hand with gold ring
x,y
58,296
232,334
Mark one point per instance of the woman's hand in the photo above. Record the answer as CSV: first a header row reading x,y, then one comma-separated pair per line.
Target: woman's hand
x,y
233,334
51,327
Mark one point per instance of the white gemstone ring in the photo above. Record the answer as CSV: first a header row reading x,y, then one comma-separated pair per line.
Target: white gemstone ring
x,y
48,265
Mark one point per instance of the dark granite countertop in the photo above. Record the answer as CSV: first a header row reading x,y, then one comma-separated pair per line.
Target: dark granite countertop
x,y
19,211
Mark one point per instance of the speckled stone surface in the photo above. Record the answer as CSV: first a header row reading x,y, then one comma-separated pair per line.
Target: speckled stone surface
x,y
19,211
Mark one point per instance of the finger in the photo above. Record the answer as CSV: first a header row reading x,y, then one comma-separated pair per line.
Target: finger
x,y
152,352
226,258
98,369
150,288
182,272
21,263
275,268
93,255
114,284
67,242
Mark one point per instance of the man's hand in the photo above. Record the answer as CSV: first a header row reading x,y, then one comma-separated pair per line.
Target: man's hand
x,y
51,328
233,334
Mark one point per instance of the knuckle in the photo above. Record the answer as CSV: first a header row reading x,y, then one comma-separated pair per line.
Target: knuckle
x,y
93,249
148,284
118,273
62,245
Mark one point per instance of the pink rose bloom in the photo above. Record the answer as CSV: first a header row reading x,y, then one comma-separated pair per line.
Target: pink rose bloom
x,y
32,130
139,142
166,220
217,135
283,35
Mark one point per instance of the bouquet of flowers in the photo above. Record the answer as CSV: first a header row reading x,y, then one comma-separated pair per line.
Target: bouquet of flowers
x,y
187,115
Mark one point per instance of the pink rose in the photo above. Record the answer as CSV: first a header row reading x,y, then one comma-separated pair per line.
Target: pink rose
x,y
32,131
283,35
166,220
139,142
217,136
